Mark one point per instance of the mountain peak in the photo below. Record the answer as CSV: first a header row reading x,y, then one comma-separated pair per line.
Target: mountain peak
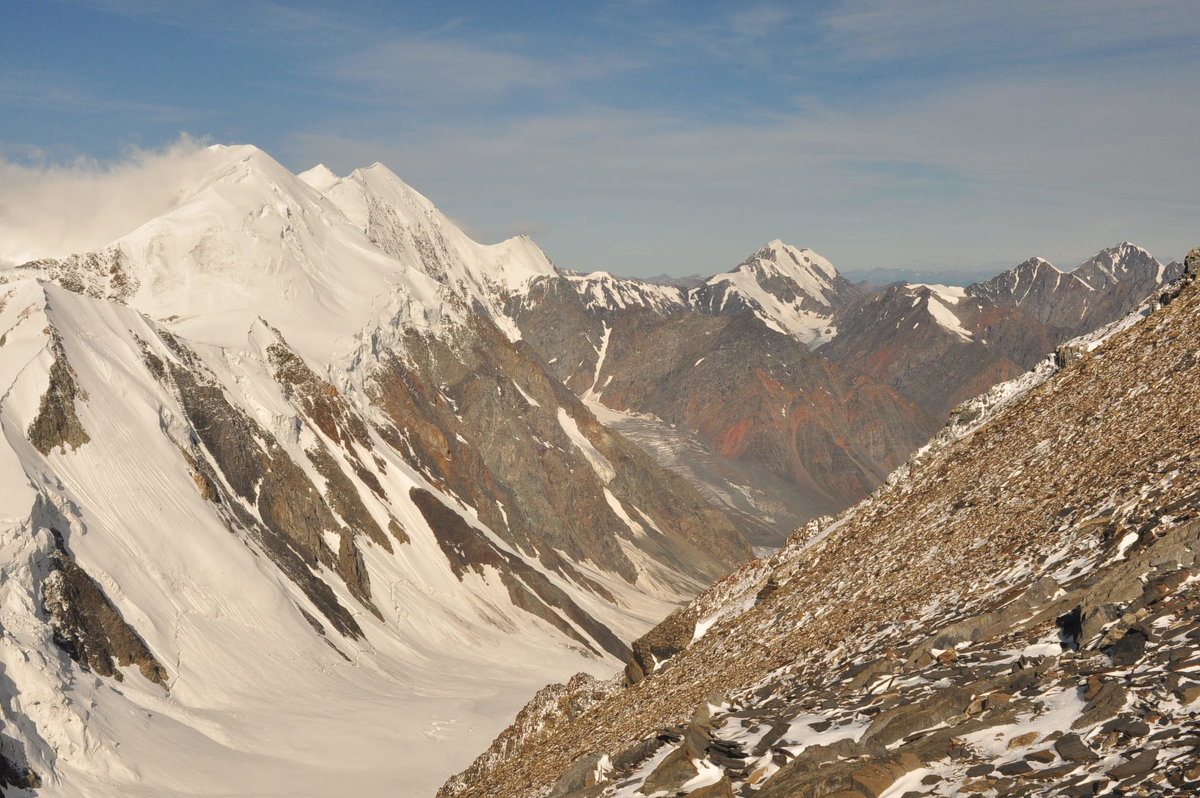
x,y
1122,262
1036,263
320,177
1125,246
1119,252
794,291
790,258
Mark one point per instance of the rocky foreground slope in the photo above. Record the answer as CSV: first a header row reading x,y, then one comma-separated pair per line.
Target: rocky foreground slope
x,y
1015,613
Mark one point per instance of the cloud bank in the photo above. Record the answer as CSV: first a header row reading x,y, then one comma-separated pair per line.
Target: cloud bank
x,y
54,210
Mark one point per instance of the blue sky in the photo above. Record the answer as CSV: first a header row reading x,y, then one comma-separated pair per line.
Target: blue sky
x,y
642,136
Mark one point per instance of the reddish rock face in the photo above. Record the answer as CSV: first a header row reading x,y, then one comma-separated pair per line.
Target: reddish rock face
x,y
763,398
481,418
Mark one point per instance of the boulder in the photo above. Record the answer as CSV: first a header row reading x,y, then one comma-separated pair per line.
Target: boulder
x,y
1108,701
672,773
1141,764
661,643
721,789
585,773
1072,748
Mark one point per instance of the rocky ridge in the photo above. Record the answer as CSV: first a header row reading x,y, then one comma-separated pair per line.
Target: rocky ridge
x,y
1014,613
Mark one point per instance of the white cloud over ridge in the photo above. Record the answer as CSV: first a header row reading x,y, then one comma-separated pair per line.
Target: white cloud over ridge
x,y
54,210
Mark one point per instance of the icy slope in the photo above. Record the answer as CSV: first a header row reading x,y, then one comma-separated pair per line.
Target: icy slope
x,y
250,683
406,225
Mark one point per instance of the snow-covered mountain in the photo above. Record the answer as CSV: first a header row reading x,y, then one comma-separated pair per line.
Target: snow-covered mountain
x,y
793,291
1013,613
407,226
284,496
939,346
787,435
1093,292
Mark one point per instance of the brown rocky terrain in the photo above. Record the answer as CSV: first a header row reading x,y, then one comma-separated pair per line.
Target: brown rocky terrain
x,y
762,397
87,625
480,417
1008,324
720,361
1013,613
56,424
892,338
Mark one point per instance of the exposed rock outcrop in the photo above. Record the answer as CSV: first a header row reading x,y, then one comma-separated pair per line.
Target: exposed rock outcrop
x,y
86,624
479,417
468,549
263,494
57,425
664,641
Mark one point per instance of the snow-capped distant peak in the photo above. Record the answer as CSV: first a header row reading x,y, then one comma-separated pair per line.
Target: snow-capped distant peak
x,y
1119,263
786,272
245,238
791,260
1126,247
402,216
1119,253
793,290
320,177
940,301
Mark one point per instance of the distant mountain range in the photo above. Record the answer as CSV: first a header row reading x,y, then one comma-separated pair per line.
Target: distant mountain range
x,y
784,367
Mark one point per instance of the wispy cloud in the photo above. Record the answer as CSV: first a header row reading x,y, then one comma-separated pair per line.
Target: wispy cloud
x,y
264,21
55,92
994,170
1014,29
56,209
758,21
745,33
451,71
